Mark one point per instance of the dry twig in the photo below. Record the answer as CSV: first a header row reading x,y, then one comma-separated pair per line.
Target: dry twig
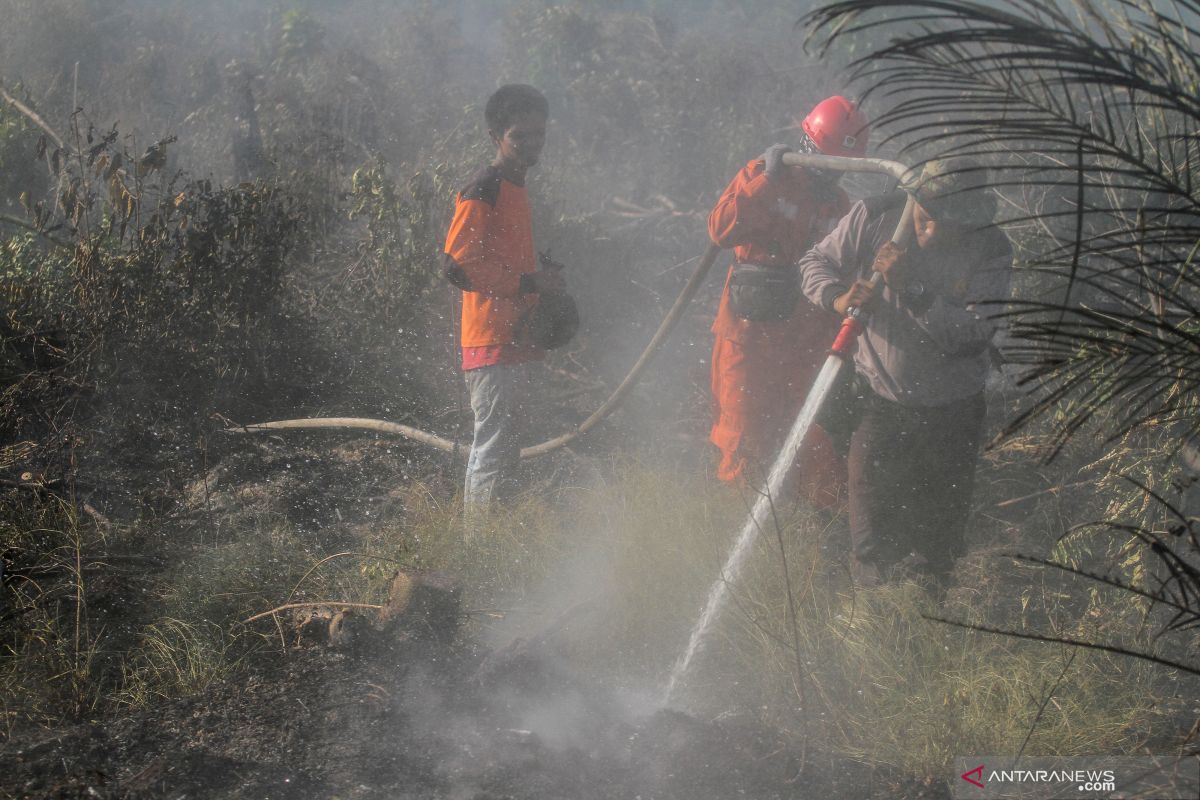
x,y
33,117
287,606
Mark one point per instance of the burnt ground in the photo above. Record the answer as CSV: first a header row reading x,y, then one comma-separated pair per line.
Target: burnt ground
x,y
420,720
388,717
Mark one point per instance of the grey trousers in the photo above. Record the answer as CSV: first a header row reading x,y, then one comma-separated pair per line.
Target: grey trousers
x,y
498,396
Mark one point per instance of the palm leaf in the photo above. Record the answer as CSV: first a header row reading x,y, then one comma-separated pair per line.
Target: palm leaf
x,y
1090,113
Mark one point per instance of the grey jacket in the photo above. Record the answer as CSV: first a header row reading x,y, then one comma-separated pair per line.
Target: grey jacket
x,y
925,350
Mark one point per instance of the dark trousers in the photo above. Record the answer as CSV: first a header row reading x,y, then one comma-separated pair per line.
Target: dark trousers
x,y
912,473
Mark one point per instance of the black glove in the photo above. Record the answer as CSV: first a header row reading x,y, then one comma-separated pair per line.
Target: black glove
x,y
773,159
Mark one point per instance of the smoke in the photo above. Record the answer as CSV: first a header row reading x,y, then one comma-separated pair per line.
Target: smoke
x,y
367,116
654,105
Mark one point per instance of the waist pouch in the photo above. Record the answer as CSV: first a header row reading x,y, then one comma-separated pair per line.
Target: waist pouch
x,y
843,409
763,294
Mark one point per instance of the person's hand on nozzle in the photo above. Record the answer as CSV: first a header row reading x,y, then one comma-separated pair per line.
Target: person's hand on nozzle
x,y
773,161
861,295
890,262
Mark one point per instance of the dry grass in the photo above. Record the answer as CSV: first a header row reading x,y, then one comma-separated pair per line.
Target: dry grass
x,y
871,676
866,674
500,562
48,646
175,658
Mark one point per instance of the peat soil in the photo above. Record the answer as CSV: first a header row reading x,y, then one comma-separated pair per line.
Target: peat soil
x,y
422,719
405,717
389,716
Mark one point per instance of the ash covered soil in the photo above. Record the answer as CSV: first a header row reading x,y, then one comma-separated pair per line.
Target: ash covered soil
x,y
419,720
393,713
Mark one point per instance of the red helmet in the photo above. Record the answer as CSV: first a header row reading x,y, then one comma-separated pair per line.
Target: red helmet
x,y
838,128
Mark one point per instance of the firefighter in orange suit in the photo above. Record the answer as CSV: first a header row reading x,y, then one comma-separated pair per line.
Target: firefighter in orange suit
x,y
770,342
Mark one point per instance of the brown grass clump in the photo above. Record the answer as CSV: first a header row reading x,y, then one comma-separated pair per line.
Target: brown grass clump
x,y
869,675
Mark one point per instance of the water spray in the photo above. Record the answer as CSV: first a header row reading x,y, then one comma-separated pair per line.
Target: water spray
x,y
840,352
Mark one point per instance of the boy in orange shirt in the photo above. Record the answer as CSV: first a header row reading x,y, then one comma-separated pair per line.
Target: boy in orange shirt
x,y
489,255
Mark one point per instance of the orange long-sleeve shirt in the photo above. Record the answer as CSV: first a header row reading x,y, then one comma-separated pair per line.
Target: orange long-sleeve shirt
x,y
490,250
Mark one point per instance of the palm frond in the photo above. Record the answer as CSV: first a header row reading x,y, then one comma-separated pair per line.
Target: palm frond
x,y
1090,113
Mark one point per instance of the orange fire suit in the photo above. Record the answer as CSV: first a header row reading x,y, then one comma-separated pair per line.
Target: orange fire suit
x,y
761,371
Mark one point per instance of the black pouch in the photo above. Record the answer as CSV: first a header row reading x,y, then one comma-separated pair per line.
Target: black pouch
x,y
844,407
551,323
763,294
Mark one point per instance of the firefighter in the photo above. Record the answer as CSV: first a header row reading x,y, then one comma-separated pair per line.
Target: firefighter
x,y
489,255
914,409
767,345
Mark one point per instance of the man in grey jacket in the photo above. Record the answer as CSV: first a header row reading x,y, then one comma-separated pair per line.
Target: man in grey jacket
x,y
915,411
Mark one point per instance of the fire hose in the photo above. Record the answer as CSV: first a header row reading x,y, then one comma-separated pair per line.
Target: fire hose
x,y
840,352
846,337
